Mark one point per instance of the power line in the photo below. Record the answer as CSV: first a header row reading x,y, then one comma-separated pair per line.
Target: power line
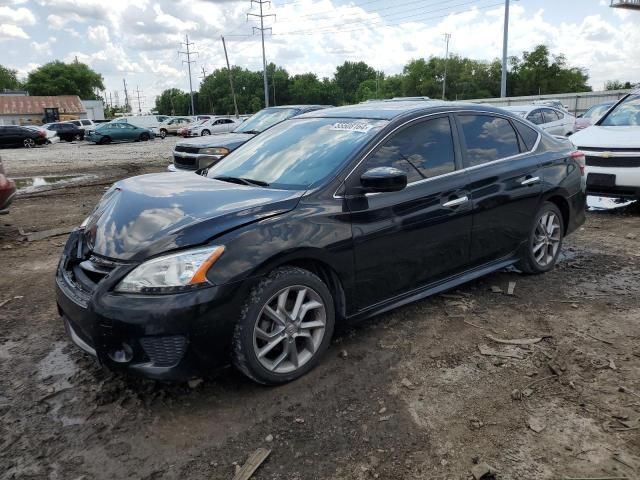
x,y
262,29
188,61
382,23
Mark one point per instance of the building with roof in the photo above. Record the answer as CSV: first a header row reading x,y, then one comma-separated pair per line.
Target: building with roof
x,y
35,110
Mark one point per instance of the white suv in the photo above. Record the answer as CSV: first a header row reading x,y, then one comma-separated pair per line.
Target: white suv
x,y
84,124
612,150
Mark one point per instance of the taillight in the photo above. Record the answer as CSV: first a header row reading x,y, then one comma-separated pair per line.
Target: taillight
x,y
42,134
580,159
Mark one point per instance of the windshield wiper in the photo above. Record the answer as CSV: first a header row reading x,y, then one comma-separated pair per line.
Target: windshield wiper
x,y
251,132
242,181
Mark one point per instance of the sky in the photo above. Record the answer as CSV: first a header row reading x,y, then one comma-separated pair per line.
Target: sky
x,y
140,40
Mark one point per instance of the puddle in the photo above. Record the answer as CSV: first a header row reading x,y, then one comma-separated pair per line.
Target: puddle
x,y
604,203
27,184
58,365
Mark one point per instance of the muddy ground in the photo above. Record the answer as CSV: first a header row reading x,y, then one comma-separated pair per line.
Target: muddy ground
x,y
407,395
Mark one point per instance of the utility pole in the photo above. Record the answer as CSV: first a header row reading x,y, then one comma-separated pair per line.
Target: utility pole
x,y
126,96
264,58
139,104
117,95
111,100
233,91
188,61
505,39
447,37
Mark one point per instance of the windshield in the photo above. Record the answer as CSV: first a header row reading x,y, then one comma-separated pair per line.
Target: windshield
x,y
625,114
299,153
264,119
596,111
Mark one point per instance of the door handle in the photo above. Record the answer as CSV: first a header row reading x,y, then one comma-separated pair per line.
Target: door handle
x,y
530,181
456,201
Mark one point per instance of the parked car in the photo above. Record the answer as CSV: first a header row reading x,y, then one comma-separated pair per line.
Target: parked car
x,y
66,131
552,103
171,125
151,122
7,190
612,149
592,115
15,136
329,217
52,136
197,154
119,132
551,120
84,124
212,126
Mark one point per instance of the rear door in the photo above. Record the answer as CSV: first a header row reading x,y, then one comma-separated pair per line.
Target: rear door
x,y
552,123
406,239
505,182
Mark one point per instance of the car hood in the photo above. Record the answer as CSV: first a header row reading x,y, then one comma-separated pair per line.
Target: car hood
x,y
151,214
227,140
607,137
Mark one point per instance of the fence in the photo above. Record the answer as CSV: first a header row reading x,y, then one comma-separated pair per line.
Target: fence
x,y
577,103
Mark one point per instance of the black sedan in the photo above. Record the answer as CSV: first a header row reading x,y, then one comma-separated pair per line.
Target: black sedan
x,y
15,136
66,131
330,217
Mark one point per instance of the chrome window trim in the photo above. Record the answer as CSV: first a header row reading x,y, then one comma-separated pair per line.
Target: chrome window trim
x,y
465,169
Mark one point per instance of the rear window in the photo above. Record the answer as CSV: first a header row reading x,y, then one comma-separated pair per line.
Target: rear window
x,y
488,138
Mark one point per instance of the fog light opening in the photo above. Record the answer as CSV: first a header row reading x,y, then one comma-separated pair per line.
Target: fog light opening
x,y
122,355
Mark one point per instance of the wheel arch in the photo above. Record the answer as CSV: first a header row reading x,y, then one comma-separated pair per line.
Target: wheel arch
x,y
311,261
563,205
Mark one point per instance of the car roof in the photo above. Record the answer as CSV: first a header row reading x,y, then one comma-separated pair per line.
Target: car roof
x,y
384,110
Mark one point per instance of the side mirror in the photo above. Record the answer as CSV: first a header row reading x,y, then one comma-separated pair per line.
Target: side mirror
x,y
383,179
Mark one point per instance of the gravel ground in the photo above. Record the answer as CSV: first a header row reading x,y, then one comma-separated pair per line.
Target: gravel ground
x,y
407,395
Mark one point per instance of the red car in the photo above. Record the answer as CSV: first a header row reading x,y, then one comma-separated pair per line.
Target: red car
x,y
7,191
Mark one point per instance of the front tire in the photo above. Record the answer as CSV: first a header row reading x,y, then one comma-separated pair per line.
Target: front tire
x,y
544,242
144,137
163,133
284,327
77,137
205,133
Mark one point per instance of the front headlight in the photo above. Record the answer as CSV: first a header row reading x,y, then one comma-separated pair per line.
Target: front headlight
x,y
214,151
172,273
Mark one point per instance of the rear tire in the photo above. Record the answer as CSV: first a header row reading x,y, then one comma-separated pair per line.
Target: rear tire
x,y
29,143
545,241
144,137
284,328
77,137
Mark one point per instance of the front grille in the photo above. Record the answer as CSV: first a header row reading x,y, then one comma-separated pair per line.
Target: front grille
x,y
185,163
186,149
619,162
605,149
88,273
164,351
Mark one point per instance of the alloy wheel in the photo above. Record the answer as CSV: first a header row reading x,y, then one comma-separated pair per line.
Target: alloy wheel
x,y
546,239
29,143
289,329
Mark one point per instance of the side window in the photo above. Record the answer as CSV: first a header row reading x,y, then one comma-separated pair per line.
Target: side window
x,y
536,117
86,122
488,138
423,150
560,115
528,134
549,115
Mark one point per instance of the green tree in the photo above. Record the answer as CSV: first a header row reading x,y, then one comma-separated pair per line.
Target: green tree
x,y
538,72
58,78
617,85
173,102
348,78
8,79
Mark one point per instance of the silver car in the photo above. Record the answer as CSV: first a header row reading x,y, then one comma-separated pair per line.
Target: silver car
x,y
552,120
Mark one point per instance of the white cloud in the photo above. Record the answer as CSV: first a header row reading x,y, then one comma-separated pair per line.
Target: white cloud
x,y
11,32
98,34
18,16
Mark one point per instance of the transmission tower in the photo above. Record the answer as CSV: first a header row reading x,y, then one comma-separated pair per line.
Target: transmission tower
x,y
188,61
262,29
127,108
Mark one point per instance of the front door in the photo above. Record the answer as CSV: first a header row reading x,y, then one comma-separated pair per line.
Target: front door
x,y
505,183
413,237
